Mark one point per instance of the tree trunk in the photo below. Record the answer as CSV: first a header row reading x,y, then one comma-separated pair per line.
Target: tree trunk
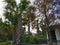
x,y
50,42
29,26
38,31
14,36
48,32
20,32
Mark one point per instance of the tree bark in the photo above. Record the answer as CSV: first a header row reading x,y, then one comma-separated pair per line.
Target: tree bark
x,y
38,31
29,26
20,32
14,36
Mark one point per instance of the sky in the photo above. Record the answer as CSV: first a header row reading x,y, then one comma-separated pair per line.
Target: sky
x,y
1,8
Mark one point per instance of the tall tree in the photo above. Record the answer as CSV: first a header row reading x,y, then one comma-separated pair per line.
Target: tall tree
x,y
42,6
11,16
23,8
14,14
30,17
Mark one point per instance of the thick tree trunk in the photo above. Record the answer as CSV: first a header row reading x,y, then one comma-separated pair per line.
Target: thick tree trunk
x,y
14,36
19,38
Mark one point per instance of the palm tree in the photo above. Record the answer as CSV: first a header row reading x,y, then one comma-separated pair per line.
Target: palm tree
x,y
23,6
30,17
11,15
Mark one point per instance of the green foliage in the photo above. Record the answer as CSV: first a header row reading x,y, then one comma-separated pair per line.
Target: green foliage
x,y
11,12
23,5
31,39
5,29
25,39
11,3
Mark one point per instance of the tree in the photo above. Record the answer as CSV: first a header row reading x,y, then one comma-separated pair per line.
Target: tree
x,y
11,16
30,17
42,6
5,29
23,7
